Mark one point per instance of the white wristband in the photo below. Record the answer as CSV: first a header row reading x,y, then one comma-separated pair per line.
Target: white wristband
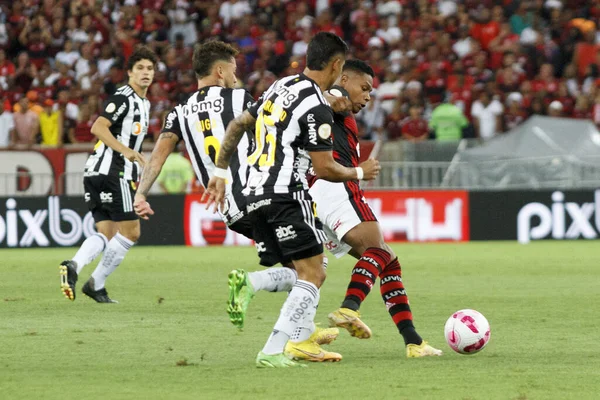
x,y
359,173
220,173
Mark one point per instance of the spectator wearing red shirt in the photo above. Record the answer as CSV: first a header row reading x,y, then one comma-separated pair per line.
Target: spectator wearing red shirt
x,y
508,80
486,29
324,23
505,41
435,86
82,131
479,70
25,72
563,97
360,39
393,122
469,60
461,93
415,127
435,60
545,81
7,68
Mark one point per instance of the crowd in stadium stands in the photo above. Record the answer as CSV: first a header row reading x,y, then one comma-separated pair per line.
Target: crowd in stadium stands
x,y
445,69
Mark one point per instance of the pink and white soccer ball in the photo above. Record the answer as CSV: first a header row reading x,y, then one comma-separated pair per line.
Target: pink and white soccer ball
x,y
467,331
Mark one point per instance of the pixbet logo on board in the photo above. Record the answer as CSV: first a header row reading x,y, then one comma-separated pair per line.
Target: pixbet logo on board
x,y
552,219
43,227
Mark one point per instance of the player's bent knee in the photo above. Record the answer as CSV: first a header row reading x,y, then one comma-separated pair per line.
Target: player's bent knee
x,y
133,235
131,230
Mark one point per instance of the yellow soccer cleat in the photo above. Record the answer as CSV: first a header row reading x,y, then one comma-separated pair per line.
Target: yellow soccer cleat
x,y
324,335
350,320
309,350
421,350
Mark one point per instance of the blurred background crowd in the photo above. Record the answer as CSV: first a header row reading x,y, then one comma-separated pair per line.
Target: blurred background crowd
x,y
445,69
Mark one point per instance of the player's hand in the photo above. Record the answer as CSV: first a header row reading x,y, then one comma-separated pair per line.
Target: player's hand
x,y
142,207
134,156
339,104
214,193
370,168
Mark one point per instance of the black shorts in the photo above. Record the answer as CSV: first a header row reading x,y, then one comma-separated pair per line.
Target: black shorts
x,y
110,198
284,227
244,226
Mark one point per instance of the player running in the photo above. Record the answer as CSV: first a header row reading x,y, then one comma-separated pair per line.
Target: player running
x,y
293,125
351,225
200,123
109,180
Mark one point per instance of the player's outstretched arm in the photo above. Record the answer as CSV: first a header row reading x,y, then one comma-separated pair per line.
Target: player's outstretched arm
x,y
233,134
327,168
164,146
215,192
101,130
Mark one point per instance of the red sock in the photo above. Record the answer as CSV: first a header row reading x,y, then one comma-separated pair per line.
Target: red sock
x,y
396,301
364,274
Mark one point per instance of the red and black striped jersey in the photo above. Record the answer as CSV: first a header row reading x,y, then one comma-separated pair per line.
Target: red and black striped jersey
x,y
346,148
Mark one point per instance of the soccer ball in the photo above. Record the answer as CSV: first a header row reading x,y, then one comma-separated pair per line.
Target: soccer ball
x,y
467,331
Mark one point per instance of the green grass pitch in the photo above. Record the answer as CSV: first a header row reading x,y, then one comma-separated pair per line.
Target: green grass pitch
x,y
170,338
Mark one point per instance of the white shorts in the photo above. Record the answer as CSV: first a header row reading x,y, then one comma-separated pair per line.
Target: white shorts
x,y
340,206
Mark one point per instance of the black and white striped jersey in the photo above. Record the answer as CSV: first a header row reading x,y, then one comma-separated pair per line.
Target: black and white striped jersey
x,y
129,115
201,123
292,119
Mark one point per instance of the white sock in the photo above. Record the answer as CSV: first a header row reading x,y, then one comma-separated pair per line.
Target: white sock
x,y
89,250
299,303
276,279
304,330
112,257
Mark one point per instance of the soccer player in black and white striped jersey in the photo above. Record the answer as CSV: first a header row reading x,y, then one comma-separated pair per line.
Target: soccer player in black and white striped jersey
x,y
110,177
200,122
293,123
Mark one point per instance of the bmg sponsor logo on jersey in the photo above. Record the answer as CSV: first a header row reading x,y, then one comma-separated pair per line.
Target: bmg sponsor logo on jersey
x,y
285,233
553,219
287,96
214,104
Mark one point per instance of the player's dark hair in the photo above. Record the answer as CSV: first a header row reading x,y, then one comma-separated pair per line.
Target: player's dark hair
x,y
359,66
139,54
322,48
207,54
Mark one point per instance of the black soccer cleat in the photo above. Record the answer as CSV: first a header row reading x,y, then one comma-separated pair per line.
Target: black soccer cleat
x,y
100,296
68,278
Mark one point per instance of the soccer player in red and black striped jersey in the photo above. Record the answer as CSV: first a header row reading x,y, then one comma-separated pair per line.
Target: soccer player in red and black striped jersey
x,y
352,227
293,125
